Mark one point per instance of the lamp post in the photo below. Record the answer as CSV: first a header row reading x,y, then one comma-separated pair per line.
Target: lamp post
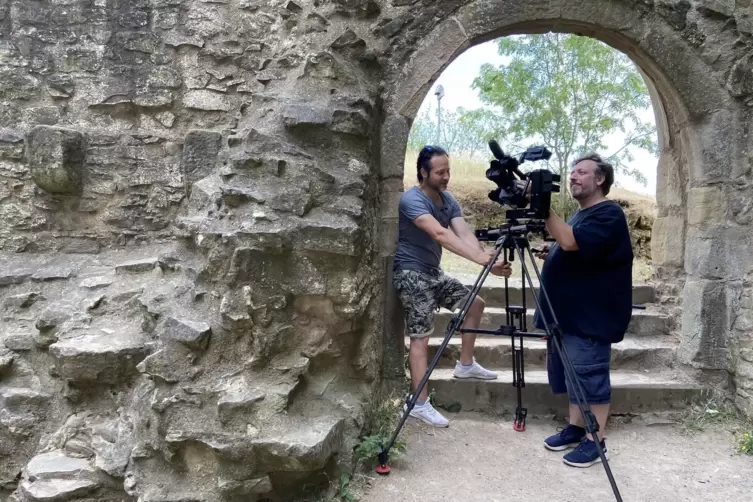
x,y
439,93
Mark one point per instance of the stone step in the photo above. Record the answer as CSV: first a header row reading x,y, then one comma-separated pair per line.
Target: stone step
x,y
632,392
496,354
493,292
646,322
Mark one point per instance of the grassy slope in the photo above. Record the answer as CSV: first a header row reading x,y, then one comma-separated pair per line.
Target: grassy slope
x,y
471,187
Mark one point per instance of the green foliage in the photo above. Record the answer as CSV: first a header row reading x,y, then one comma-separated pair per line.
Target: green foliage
x,y
570,93
745,445
460,135
715,411
381,421
344,491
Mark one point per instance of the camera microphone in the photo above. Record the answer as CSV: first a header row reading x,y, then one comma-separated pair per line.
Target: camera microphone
x,y
496,149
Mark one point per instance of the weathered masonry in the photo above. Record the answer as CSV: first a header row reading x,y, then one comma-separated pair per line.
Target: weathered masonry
x,y
197,214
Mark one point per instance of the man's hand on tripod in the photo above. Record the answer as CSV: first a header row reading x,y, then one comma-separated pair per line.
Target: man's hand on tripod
x,y
484,256
502,268
542,252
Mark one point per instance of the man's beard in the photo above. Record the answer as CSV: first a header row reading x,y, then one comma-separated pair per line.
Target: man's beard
x,y
581,194
438,186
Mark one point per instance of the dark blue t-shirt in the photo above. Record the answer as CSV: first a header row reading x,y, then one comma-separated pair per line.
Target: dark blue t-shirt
x,y
591,289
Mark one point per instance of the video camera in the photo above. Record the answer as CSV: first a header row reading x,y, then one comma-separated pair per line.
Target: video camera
x,y
541,182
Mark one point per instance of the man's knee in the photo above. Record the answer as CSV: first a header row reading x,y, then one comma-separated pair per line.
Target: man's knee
x,y
419,345
478,304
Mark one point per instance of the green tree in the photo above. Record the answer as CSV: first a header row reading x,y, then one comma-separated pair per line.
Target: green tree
x,y
570,93
459,135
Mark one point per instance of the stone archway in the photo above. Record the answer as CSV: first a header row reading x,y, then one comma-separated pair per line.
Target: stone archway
x,y
190,198
701,238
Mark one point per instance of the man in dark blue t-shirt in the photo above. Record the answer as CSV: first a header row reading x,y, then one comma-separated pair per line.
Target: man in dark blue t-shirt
x,y
588,279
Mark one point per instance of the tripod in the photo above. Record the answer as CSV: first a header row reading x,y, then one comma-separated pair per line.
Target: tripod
x,y
513,238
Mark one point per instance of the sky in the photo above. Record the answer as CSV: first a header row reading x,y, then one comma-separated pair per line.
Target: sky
x,y
458,77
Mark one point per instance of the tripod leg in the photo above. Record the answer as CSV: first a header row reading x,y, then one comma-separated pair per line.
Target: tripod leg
x,y
455,324
570,374
520,412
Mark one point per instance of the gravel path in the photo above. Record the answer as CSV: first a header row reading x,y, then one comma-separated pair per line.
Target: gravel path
x,y
480,458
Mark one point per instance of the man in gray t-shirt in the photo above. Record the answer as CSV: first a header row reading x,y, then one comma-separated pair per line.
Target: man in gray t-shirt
x,y
430,220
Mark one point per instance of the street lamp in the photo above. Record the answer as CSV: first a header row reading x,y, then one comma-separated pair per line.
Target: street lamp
x,y
439,93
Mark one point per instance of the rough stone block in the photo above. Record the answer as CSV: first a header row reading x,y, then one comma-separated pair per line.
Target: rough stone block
x,y
389,228
137,266
238,401
338,234
11,145
53,316
739,200
20,342
200,152
307,446
6,362
57,489
173,365
14,276
718,252
23,300
97,282
668,241
442,45
708,313
480,19
306,115
53,273
57,465
390,201
256,486
208,101
20,400
56,159
717,140
705,205
724,8
192,334
669,184
108,358
395,131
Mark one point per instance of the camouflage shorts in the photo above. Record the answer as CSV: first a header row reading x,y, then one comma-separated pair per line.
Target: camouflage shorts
x,y
422,294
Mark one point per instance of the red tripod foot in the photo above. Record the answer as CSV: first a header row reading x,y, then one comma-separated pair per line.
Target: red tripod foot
x,y
519,426
383,469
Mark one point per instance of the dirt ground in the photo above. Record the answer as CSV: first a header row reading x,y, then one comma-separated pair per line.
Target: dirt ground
x,y
481,458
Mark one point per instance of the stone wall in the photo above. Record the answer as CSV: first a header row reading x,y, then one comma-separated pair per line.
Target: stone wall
x,y
197,203
188,211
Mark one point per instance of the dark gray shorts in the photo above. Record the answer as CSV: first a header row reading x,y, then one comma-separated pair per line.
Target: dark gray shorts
x,y
422,294
591,361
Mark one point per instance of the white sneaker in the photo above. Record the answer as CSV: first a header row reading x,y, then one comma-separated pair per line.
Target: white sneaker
x,y
429,415
475,371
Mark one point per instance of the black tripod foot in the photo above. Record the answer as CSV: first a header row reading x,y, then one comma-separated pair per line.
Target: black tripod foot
x,y
384,467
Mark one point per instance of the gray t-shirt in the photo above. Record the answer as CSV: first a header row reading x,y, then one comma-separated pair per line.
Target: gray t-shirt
x,y
416,250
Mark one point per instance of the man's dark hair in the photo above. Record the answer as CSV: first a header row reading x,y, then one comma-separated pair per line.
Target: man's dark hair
x,y
602,167
424,158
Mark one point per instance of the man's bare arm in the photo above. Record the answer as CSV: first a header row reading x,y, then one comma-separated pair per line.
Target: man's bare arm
x,y
463,231
561,231
447,239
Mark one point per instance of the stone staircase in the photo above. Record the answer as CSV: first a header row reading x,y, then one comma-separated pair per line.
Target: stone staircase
x,y
646,376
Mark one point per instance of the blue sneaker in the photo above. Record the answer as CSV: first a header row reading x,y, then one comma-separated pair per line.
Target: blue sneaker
x,y
586,454
570,437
